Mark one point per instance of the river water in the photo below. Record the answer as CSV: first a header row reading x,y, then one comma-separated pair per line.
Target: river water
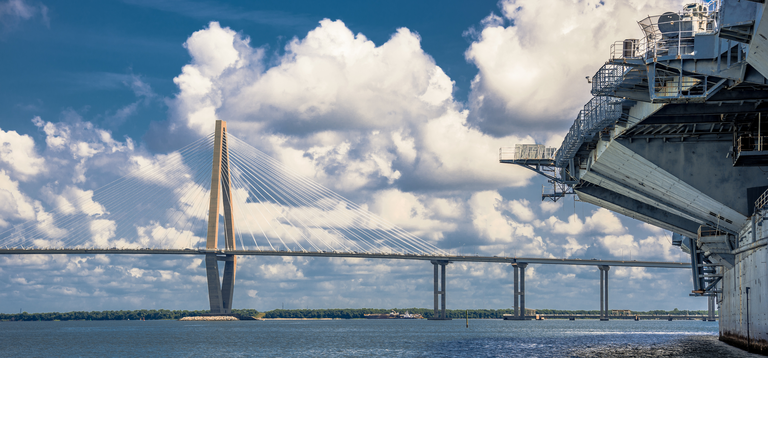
x,y
363,339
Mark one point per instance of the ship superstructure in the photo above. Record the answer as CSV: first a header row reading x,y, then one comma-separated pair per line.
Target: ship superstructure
x,y
675,136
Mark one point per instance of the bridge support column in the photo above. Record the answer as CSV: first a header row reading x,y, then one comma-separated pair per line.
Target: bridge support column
x,y
522,289
711,308
518,279
440,293
516,291
604,311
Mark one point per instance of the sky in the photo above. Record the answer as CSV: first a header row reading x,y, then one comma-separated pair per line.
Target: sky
x,y
401,107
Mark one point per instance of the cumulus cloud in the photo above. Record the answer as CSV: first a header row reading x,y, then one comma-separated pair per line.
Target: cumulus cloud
x,y
492,225
601,221
73,200
16,205
340,109
407,211
285,270
79,141
531,70
18,154
522,210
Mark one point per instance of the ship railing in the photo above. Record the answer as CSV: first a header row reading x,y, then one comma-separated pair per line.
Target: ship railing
x,y
608,78
673,39
705,231
627,49
670,34
748,142
667,86
534,152
762,202
599,113
507,153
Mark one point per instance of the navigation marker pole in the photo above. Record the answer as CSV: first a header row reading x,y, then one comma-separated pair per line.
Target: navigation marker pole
x,y
220,292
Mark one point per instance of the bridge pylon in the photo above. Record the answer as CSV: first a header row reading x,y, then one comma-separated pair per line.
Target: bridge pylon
x,y
220,292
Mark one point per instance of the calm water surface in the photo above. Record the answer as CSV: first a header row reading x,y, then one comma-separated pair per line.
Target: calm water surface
x,y
364,338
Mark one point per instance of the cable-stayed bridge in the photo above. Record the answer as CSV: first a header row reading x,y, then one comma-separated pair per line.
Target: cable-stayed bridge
x,y
176,204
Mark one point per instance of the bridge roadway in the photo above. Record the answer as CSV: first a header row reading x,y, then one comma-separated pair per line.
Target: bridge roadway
x,y
443,258
637,317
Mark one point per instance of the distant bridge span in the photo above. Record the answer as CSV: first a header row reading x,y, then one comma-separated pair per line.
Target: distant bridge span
x,y
519,263
449,258
288,214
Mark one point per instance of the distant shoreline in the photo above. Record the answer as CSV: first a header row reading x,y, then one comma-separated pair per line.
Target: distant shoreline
x,y
305,314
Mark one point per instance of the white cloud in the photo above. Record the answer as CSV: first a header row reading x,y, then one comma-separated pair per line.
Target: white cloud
x,y
73,200
574,247
212,50
522,210
574,226
532,72
286,270
102,231
158,236
83,141
340,109
18,154
605,222
601,221
407,211
550,207
16,205
136,272
493,226
619,245
633,273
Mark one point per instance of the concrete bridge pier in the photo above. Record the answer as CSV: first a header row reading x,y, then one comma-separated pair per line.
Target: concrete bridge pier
x,y
604,311
518,270
440,292
711,308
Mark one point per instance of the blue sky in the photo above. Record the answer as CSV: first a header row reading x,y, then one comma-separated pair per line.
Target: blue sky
x,y
399,106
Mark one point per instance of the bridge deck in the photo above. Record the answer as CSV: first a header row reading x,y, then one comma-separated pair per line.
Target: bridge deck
x,y
452,258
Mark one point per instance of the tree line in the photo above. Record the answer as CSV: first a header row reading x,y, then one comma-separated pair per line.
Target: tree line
x,y
164,314
135,315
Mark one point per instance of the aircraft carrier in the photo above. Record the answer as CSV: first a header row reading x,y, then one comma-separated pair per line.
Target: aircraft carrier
x,y
674,137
